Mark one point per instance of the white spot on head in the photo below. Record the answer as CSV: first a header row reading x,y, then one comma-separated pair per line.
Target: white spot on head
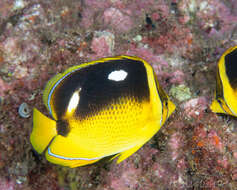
x,y
74,100
118,75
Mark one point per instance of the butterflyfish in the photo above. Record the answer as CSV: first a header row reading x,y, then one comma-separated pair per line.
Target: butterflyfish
x,y
225,100
108,107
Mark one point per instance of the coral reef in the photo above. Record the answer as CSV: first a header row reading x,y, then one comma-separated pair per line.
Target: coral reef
x,y
182,40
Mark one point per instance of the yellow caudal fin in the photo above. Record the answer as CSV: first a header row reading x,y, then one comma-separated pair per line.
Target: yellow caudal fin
x,y
220,106
216,107
44,129
127,153
171,107
168,109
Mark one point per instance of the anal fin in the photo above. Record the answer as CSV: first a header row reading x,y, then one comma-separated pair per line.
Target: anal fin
x,y
127,153
148,131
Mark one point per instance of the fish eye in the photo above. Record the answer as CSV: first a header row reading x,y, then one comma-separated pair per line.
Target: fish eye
x,y
62,127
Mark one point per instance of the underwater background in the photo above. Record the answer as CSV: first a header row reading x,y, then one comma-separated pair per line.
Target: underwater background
x,y
183,41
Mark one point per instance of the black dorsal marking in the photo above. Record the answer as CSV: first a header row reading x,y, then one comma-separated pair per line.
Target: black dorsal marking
x,y
97,90
231,68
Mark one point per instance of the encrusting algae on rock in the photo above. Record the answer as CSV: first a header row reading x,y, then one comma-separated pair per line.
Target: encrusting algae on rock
x,y
108,107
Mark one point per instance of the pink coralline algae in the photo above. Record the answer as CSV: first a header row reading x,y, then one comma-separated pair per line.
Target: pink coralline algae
x,y
211,146
102,43
177,77
6,185
214,16
6,8
212,9
128,179
148,55
195,107
11,49
4,87
175,143
215,141
234,174
117,20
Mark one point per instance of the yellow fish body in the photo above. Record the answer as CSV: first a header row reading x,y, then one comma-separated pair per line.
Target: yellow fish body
x,y
225,100
111,106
